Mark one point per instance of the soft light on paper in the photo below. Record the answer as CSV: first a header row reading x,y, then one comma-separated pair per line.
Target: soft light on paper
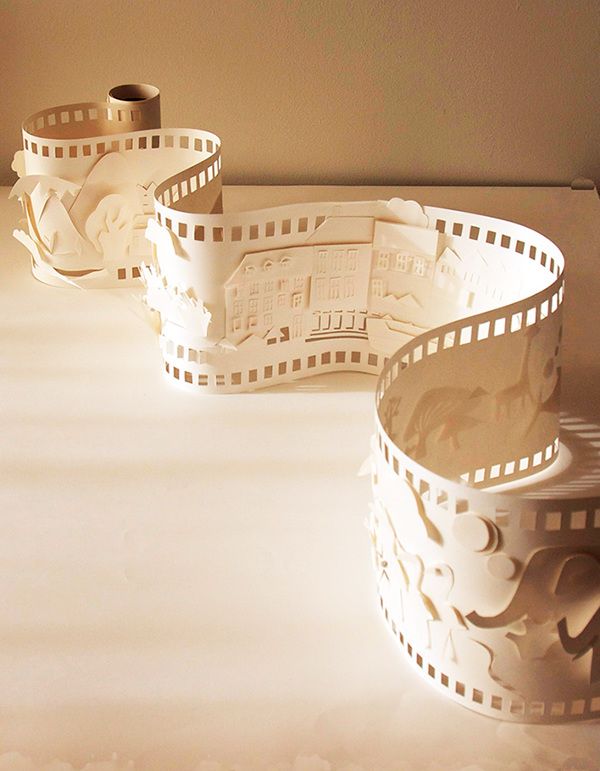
x,y
493,595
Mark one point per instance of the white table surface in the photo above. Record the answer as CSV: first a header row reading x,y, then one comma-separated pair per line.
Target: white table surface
x,y
185,580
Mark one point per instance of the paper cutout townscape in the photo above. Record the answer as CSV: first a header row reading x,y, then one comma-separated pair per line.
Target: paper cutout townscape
x,y
494,596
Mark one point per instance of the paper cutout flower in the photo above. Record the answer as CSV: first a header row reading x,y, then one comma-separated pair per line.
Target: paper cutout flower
x,y
18,163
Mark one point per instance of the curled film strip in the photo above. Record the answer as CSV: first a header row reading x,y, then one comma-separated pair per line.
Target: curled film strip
x,y
493,595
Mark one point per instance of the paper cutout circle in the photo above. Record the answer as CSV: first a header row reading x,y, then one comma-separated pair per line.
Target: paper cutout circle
x,y
475,533
502,566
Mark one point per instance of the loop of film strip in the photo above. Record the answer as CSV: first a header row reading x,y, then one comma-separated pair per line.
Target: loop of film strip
x,y
89,174
495,596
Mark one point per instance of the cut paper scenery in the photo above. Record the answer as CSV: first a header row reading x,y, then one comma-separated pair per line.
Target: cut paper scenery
x,y
494,596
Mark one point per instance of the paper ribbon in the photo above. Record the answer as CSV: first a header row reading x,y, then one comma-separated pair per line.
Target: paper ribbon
x,y
493,595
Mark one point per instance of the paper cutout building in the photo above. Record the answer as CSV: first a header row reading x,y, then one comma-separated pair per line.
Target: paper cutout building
x,y
494,597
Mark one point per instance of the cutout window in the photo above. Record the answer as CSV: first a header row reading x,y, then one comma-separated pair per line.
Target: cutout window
x,y
383,260
419,266
322,261
402,262
377,287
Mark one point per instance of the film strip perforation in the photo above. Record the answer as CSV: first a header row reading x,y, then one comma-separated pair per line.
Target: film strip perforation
x,y
479,698
185,364
457,497
474,228
472,330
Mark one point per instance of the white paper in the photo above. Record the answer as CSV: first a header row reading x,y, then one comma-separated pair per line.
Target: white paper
x,y
494,596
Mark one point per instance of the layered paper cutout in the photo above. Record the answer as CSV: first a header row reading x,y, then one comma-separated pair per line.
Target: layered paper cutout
x,y
493,596
88,174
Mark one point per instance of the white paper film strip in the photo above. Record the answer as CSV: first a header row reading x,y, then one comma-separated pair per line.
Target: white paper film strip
x,y
494,596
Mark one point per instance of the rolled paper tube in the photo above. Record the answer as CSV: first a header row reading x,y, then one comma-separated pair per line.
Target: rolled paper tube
x,y
142,97
494,596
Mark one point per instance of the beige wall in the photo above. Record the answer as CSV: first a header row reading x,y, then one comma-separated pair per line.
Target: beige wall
x,y
369,91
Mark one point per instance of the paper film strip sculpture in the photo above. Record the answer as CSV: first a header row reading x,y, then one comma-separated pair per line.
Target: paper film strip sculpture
x,y
495,597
